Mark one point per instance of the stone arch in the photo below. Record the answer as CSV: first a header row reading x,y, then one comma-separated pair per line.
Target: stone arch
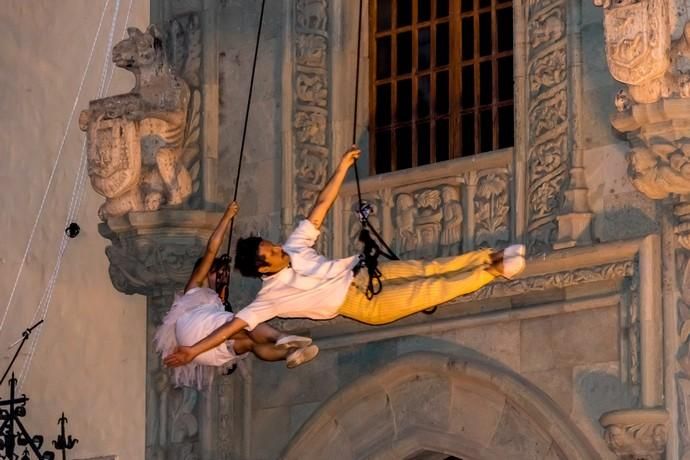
x,y
428,402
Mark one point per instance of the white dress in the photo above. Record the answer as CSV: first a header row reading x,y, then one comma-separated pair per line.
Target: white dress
x,y
193,316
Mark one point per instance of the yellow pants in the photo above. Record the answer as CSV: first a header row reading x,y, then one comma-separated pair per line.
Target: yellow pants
x,y
410,286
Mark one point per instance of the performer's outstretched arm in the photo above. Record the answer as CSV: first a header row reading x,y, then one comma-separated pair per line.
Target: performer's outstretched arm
x,y
330,192
212,247
184,355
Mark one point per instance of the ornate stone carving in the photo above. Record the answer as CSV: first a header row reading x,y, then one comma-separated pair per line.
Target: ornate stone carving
x,y
311,50
557,280
548,120
184,51
636,434
492,207
310,112
405,216
311,127
153,252
140,144
654,112
172,413
428,222
312,89
451,229
637,44
312,14
547,71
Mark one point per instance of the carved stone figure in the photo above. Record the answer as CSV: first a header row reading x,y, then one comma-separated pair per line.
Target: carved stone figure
x,y
311,14
406,212
136,141
428,222
451,230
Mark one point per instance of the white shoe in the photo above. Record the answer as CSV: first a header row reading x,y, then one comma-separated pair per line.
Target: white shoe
x,y
293,341
301,356
513,266
514,250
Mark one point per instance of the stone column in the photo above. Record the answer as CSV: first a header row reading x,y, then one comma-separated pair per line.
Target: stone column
x,y
550,129
152,254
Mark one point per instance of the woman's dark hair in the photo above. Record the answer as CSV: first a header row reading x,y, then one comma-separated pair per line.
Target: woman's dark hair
x,y
247,258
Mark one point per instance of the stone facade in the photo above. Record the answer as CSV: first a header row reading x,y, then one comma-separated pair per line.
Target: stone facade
x,y
584,356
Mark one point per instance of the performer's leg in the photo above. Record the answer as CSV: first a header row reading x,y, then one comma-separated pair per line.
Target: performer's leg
x,y
263,333
392,269
401,298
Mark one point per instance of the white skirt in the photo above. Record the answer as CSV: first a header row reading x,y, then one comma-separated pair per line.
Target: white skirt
x,y
193,316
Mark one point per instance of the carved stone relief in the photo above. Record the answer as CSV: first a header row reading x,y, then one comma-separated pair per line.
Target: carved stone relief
x,y
171,413
548,115
428,222
310,112
492,210
636,434
557,280
141,145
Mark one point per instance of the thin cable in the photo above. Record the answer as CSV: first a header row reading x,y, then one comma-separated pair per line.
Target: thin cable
x,y
246,118
103,90
76,201
52,173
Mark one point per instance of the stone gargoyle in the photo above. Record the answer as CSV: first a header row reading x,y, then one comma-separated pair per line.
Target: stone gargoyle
x,y
137,155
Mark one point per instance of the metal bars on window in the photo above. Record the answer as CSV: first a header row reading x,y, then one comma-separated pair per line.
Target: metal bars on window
x,y
441,80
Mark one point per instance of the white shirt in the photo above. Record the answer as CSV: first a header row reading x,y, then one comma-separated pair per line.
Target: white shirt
x,y
310,287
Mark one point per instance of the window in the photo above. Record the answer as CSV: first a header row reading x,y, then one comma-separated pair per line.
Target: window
x,y
441,80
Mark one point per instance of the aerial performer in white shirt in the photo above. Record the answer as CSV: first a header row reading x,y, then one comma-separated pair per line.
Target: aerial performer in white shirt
x,y
200,311
300,283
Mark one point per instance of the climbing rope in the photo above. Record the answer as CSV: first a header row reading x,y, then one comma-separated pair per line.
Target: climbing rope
x,y
372,247
223,283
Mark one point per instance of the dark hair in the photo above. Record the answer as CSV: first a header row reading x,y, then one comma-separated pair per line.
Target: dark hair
x,y
247,258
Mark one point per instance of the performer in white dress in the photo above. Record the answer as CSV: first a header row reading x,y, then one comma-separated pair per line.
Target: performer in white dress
x,y
200,310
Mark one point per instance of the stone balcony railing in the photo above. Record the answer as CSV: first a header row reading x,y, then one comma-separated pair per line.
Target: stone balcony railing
x,y
434,210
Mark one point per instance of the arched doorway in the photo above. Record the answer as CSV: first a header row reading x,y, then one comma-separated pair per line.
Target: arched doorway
x,y
431,406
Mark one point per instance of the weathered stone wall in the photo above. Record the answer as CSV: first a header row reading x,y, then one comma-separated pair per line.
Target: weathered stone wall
x,y
90,360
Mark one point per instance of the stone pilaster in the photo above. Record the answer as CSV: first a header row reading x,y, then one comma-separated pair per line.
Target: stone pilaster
x,y
550,131
653,111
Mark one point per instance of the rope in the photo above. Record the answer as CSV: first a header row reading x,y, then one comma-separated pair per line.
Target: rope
x,y
52,173
372,250
246,120
75,203
223,284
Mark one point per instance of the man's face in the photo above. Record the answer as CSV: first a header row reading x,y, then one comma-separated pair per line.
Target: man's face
x,y
274,256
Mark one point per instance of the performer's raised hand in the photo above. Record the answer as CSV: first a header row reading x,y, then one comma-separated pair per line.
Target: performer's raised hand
x,y
233,209
179,357
350,156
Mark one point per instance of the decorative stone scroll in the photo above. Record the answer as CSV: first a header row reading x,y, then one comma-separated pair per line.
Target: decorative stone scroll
x,y
310,106
548,115
142,144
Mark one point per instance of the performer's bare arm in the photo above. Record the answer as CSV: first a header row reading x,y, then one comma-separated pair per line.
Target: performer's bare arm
x,y
184,355
329,193
212,247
